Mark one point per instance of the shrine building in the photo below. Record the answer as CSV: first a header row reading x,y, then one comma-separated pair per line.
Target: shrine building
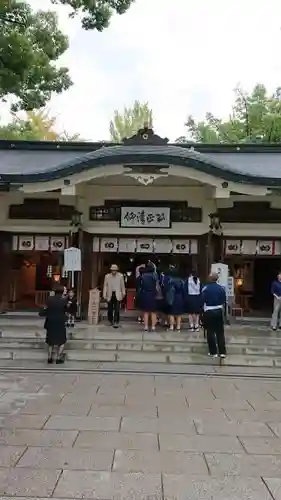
x,y
186,204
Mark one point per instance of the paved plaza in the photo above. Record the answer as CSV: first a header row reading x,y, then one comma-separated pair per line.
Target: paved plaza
x,y
116,436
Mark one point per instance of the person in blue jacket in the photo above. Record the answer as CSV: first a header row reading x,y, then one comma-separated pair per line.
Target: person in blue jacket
x,y
276,293
175,298
213,300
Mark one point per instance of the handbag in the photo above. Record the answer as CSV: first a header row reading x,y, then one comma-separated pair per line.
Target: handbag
x,y
42,312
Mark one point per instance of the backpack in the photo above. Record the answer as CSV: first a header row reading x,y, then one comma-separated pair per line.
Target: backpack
x,y
146,282
170,293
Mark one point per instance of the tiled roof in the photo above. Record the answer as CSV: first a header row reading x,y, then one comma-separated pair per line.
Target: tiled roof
x,y
34,164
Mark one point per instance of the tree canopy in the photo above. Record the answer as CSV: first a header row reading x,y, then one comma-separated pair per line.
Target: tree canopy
x,y
36,126
96,14
30,45
130,120
255,117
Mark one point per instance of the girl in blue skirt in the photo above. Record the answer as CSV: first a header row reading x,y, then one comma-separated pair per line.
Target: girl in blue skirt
x,y
193,291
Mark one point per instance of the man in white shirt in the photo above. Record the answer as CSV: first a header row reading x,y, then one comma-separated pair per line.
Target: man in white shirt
x,y
114,292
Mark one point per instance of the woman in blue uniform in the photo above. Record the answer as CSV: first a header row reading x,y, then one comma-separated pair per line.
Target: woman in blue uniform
x,y
175,299
148,286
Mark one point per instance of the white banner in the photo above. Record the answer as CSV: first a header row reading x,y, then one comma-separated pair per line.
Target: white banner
x,y
96,244
42,243
57,243
109,244
265,247
15,242
277,247
233,247
127,245
26,242
194,247
181,246
163,246
145,245
249,247
145,217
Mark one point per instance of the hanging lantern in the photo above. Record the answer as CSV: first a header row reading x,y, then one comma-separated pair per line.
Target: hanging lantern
x,y
49,271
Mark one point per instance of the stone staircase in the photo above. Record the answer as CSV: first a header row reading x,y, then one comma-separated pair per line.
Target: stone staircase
x,y
22,338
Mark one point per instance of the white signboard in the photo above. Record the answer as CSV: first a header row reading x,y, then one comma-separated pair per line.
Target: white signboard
x,y
181,246
145,217
222,271
109,244
230,287
127,245
72,259
145,245
163,246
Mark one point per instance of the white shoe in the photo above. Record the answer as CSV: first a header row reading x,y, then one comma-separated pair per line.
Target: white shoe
x,y
222,356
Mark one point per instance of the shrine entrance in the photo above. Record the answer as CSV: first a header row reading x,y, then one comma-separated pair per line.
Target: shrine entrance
x,y
128,263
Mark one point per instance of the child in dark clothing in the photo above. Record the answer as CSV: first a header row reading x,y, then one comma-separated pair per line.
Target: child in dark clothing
x,y
71,309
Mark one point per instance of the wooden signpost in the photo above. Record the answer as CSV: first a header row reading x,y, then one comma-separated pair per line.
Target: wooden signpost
x,y
94,307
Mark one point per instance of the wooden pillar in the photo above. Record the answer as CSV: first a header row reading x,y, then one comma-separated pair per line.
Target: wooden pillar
x,y
203,259
5,268
86,274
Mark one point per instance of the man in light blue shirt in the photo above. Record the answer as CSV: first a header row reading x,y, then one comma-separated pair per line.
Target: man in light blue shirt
x,y
276,292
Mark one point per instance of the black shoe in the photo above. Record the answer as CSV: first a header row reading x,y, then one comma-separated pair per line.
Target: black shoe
x,y
60,361
50,361
116,325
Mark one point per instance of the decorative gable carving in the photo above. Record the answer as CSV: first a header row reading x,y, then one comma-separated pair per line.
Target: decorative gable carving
x,y
145,136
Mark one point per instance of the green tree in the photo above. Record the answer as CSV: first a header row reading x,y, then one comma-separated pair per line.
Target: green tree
x,y
30,45
255,117
129,121
36,126
96,14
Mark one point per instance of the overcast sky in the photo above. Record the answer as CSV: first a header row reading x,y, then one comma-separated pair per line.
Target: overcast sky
x,y
182,56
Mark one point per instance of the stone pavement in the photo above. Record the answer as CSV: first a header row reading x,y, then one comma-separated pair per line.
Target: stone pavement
x,y
155,437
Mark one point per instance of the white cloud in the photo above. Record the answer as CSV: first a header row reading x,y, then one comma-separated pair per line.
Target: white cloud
x,y
182,56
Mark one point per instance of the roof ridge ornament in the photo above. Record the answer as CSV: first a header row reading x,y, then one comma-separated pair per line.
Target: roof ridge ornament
x,y
145,136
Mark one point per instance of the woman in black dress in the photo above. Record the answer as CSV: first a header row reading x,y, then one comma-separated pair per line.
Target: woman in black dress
x,y
55,314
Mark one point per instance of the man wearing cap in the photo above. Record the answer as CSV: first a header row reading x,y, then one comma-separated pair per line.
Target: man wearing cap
x,y
214,298
114,292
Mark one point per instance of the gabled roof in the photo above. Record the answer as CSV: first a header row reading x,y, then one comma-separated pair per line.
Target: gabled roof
x,y
27,162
